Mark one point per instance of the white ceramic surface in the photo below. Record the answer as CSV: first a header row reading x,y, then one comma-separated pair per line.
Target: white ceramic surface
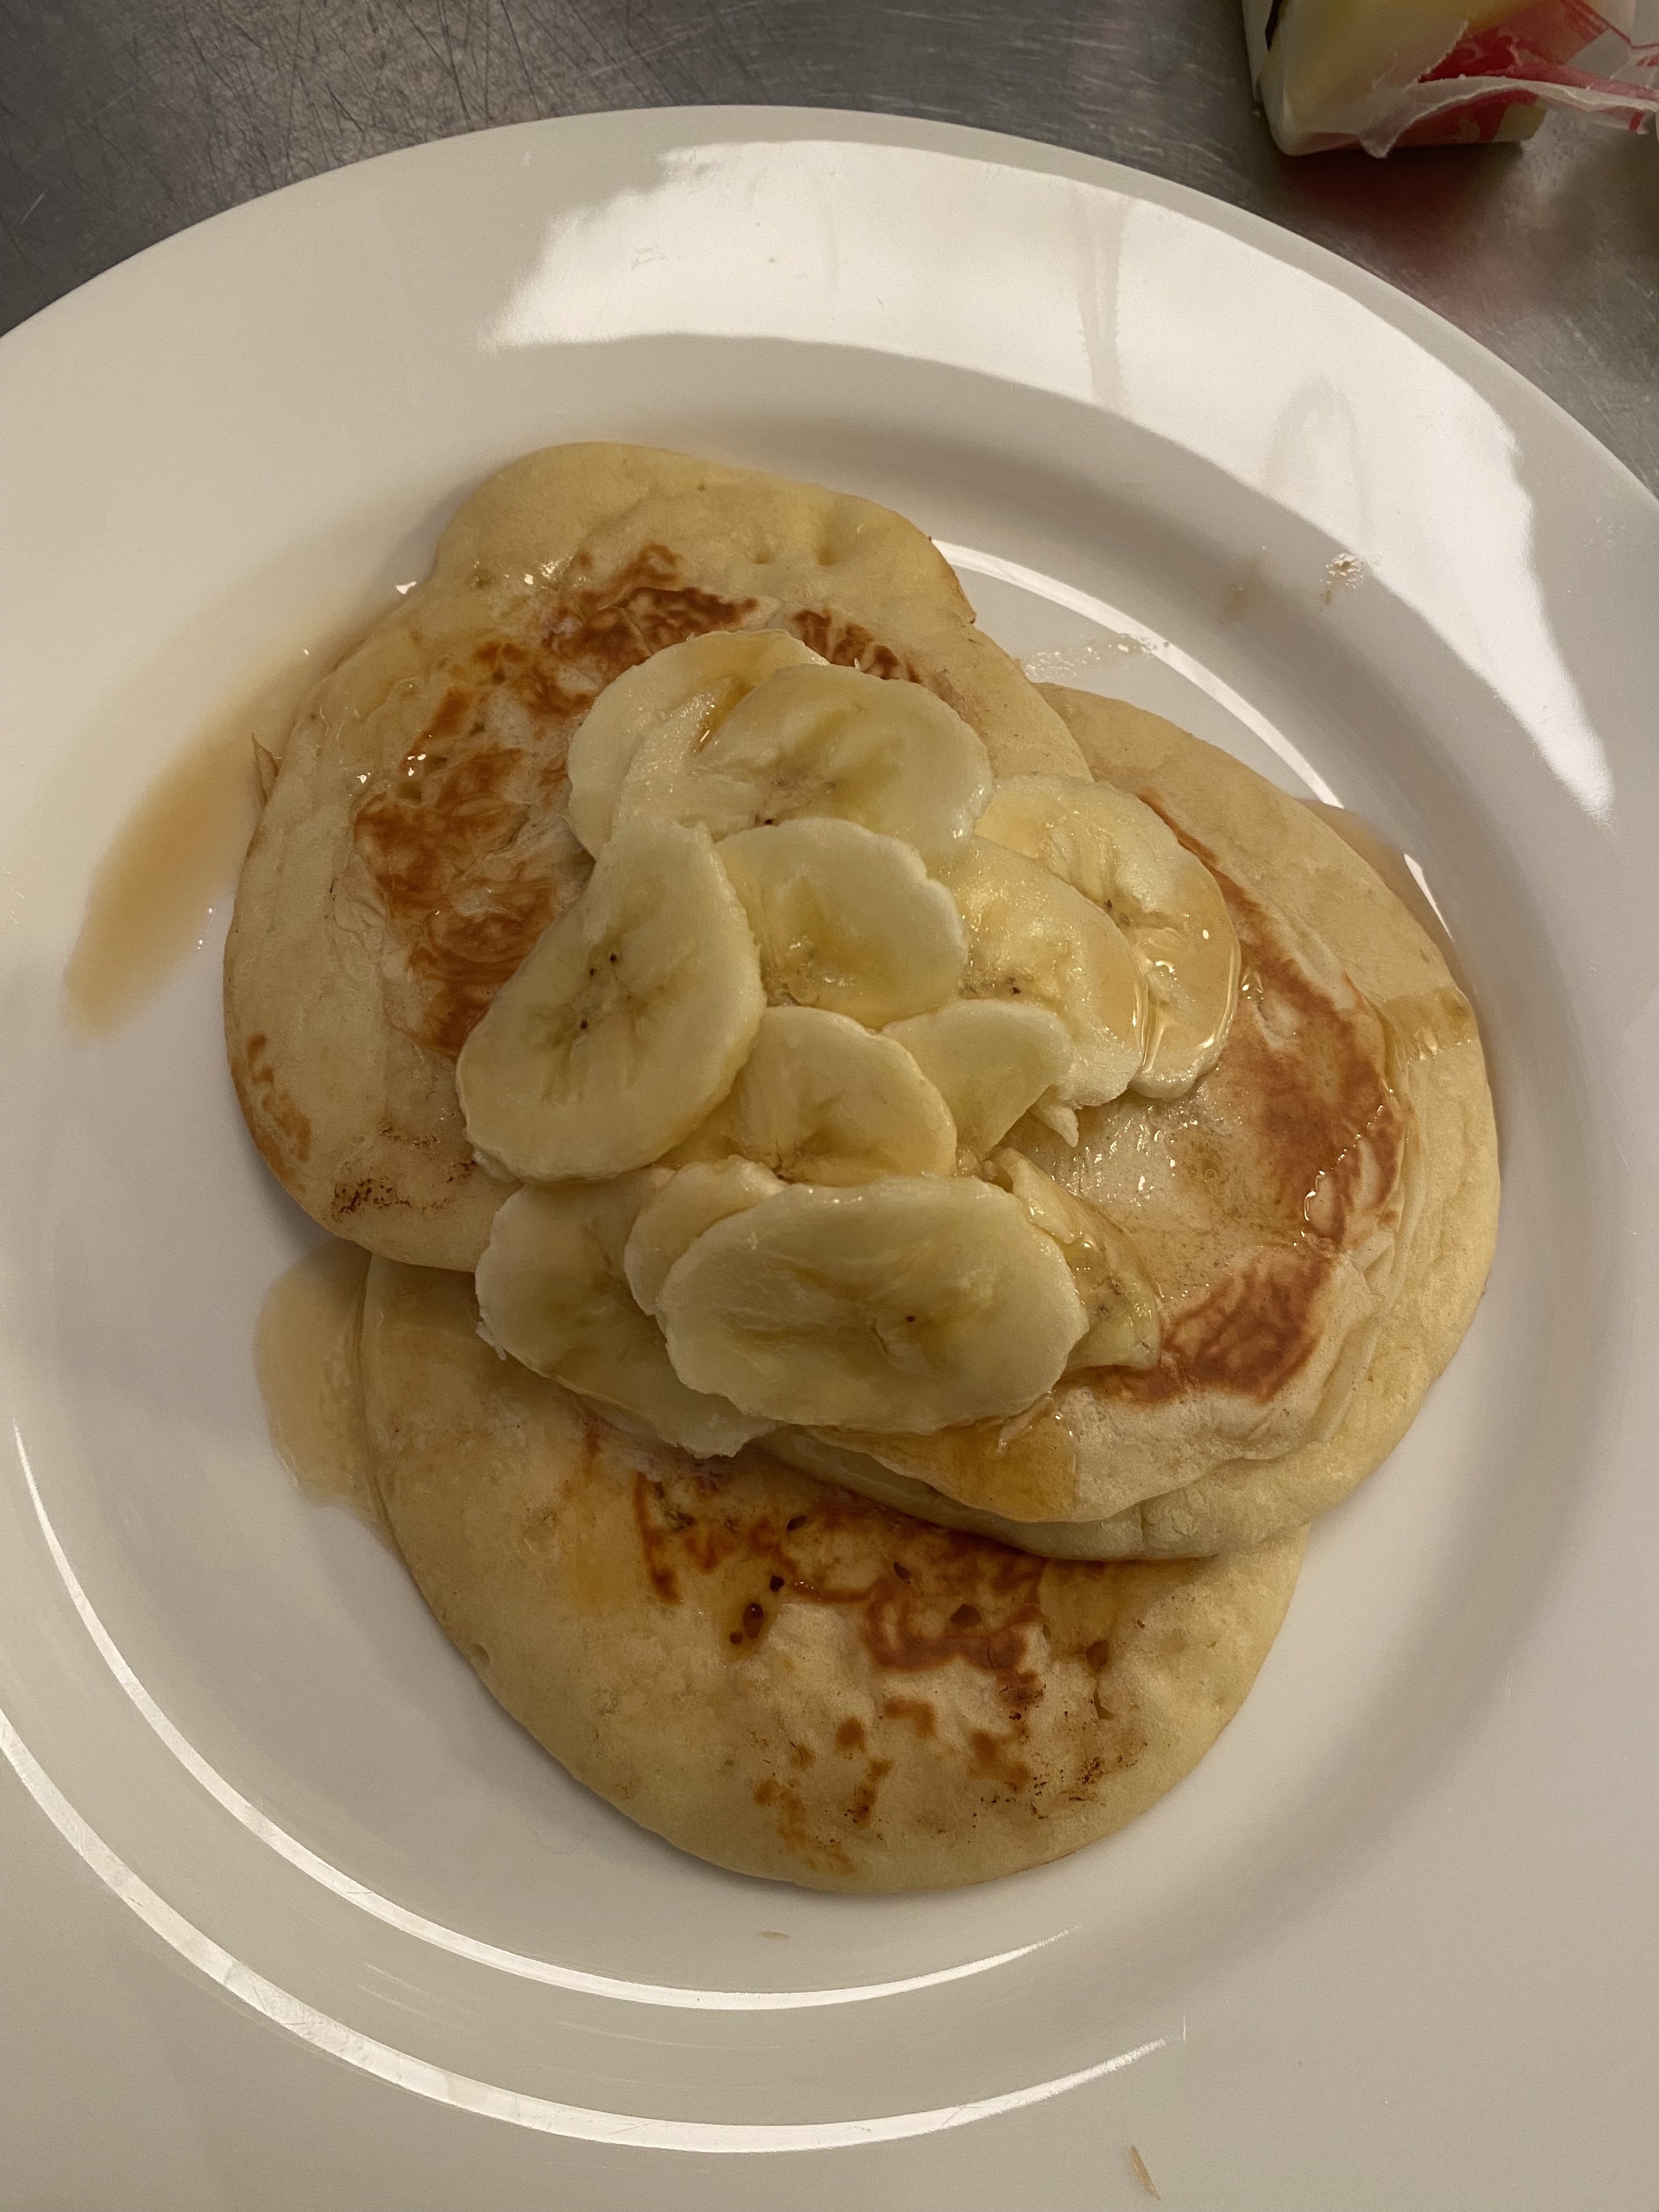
x,y
318,1925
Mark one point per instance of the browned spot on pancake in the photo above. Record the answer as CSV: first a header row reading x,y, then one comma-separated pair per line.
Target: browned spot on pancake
x,y
1324,1106
900,1631
653,1545
442,813
1252,1333
468,891
863,1801
751,1624
795,1830
711,1534
611,622
460,841
354,1194
992,1757
453,709
1325,1136
1125,1743
848,644
917,1710
965,1596
281,1130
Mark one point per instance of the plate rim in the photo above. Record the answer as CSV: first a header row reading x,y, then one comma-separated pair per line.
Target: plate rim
x,y
1443,339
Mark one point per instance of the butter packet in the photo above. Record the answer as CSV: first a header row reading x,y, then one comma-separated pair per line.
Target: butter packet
x,y
1385,73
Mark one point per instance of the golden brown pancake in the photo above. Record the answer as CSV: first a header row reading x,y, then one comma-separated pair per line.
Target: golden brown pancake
x,y
772,1672
413,846
1318,1216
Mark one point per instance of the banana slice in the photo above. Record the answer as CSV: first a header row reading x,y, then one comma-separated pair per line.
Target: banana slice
x,y
1062,1120
1124,1329
905,1305
1034,941
846,920
693,686
552,1293
627,1022
674,1217
1113,849
820,741
990,1060
820,1100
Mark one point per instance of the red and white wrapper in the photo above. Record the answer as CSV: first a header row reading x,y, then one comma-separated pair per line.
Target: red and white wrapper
x,y
1385,73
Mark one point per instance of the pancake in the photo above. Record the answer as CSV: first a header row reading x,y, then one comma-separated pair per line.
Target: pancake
x,y
413,846
772,1672
1318,1217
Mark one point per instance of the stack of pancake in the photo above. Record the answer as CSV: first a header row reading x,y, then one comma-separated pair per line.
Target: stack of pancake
x,y
849,1654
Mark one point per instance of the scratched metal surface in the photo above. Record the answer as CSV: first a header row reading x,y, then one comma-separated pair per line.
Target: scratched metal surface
x,y
123,120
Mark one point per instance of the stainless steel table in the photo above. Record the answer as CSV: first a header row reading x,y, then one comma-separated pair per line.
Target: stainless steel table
x,y
123,120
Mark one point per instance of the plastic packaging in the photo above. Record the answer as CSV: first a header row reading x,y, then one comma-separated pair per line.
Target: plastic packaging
x,y
1385,73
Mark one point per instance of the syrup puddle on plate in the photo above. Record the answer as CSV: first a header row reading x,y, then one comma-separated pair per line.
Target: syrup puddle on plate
x,y
154,889
305,1353
181,848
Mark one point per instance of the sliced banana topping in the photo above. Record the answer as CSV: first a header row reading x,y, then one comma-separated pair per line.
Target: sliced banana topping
x,y
910,1304
628,1021
820,1100
1113,849
991,1060
846,920
674,1217
819,741
1124,1326
552,1293
807,1213
1035,941
691,688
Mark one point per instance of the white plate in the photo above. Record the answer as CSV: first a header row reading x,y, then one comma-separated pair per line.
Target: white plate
x,y
1395,1942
